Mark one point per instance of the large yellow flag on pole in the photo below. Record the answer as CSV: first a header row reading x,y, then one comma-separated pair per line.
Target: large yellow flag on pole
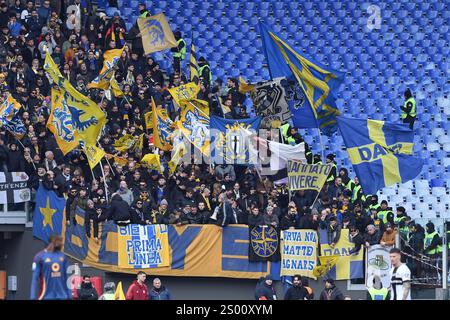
x,y
87,117
110,59
184,92
194,123
152,161
156,33
162,129
94,155
60,123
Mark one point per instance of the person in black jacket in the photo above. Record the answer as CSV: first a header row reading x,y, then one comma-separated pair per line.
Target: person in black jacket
x,y
86,290
289,220
297,291
309,221
357,239
265,290
91,217
138,214
255,219
331,292
119,211
15,159
3,156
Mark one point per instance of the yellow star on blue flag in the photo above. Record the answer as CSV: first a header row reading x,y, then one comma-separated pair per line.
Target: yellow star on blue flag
x,y
48,214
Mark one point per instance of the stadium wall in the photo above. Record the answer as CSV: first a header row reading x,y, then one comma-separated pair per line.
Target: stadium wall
x,y
17,252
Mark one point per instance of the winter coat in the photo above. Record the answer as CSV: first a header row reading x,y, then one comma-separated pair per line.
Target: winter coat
x,y
372,239
332,294
119,210
288,221
389,238
126,195
162,294
139,216
16,162
194,218
265,292
358,240
334,234
296,293
254,221
87,292
137,291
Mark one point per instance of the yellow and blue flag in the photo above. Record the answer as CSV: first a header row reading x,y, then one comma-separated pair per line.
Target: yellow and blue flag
x,y
152,162
156,33
60,123
124,143
9,108
230,139
314,84
186,91
10,119
48,214
162,128
87,117
110,59
347,266
94,155
194,123
380,151
117,92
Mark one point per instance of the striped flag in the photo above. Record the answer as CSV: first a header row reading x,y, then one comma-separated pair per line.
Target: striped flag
x,y
193,67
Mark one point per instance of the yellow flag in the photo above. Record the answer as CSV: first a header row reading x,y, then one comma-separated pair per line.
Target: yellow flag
x,y
152,161
139,144
87,117
117,92
156,33
177,153
184,92
94,155
124,143
106,75
326,263
148,117
60,123
119,295
162,128
9,107
118,160
244,87
194,123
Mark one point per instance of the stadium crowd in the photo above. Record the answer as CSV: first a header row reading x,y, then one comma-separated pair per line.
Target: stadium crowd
x,y
130,193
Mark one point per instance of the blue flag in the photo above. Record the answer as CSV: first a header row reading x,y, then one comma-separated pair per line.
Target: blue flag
x,y
315,84
48,214
380,151
230,139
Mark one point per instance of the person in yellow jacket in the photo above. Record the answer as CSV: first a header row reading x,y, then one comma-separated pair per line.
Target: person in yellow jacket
x,y
178,52
409,112
377,291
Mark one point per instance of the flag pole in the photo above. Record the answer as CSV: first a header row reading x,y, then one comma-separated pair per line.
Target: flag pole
x,y
321,145
104,181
